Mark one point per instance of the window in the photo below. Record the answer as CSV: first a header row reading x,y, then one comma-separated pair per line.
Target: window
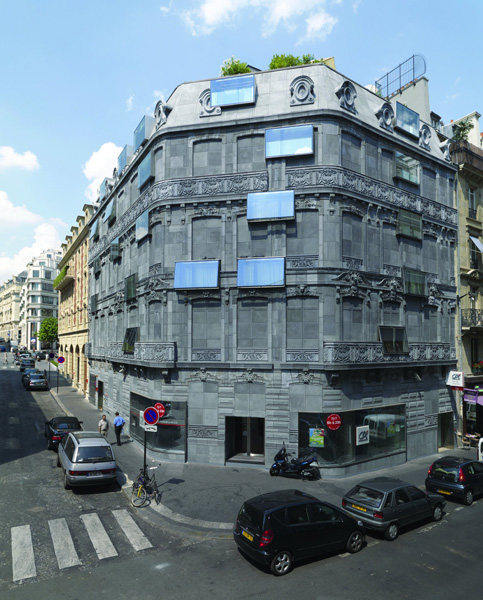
x,y
206,238
35,273
47,274
407,168
124,158
130,287
202,274
266,206
303,234
47,287
303,323
130,338
207,157
96,266
143,131
394,340
414,282
145,170
351,151
94,302
228,91
472,202
254,272
115,250
252,324
142,226
110,214
407,119
250,153
95,231
289,141
206,319
410,224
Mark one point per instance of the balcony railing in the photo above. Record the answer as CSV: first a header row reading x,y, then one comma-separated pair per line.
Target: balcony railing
x,y
472,317
351,353
152,354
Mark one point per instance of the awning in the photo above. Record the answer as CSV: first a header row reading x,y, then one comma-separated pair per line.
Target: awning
x,y
477,243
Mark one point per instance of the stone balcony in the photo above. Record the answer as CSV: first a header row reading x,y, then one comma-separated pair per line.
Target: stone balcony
x,y
149,354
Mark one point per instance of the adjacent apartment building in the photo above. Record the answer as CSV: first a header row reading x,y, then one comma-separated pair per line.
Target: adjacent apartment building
x,y
72,283
10,308
273,261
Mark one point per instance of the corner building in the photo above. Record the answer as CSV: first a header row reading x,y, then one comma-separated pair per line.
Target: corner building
x,y
273,261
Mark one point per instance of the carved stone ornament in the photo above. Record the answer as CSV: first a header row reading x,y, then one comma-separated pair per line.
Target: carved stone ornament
x,y
204,375
424,137
307,377
301,290
444,147
302,91
393,294
249,376
161,113
353,281
206,109
118,303
385,114
347,95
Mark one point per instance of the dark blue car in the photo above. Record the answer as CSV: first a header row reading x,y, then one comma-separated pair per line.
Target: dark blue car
x,y
56,428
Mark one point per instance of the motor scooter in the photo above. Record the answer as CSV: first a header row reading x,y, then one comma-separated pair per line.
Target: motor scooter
x,y
303,466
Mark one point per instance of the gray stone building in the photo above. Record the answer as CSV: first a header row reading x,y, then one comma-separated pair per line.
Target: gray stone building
x,y
273,261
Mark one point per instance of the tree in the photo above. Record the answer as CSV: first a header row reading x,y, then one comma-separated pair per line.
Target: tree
x,y
462,129
48,330
233,66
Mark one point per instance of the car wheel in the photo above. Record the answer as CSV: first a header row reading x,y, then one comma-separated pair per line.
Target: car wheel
x,y
355,542
66,482
58,459
468,498
274,470
437,512
392,532
281,563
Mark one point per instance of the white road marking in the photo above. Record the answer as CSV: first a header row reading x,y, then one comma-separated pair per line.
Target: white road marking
x,y
23,560
65,551
99,538
135,536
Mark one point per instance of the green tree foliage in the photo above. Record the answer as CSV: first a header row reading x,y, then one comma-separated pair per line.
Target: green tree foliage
x,y
462,129
280,61
233,66
48,330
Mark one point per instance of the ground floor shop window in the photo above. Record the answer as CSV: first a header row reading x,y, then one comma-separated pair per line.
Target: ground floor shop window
x,y
171,428
353,436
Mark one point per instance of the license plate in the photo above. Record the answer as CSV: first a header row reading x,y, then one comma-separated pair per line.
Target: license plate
x,y
444,492
359,508
93,474
247,535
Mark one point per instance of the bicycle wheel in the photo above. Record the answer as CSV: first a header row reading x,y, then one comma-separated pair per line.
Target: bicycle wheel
x,y
139,495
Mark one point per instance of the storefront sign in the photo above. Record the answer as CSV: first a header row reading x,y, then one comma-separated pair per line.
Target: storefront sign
x,y
334,422
316,438
456,379
362,435
473,397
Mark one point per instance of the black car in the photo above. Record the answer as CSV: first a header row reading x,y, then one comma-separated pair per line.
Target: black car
x,y
56,428
385,504
26,363
456,477
281,527
36,381
27,372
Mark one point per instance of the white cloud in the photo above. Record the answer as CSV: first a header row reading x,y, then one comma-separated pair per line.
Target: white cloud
x,y
15,215
100,165
129,103
166,9
9,158
319,26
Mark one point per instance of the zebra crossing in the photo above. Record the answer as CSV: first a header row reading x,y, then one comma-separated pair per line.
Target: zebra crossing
x,y
64,543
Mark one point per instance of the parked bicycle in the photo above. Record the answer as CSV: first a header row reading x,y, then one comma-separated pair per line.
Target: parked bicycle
x,y
143,488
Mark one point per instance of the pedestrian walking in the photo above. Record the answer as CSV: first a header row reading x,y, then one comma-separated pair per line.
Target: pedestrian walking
x,y
119,423
104,426
6,358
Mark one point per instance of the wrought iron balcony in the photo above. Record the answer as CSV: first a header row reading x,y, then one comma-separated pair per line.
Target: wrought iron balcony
x,y
472,317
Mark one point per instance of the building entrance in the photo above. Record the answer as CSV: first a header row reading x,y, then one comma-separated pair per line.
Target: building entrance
x,y
245,439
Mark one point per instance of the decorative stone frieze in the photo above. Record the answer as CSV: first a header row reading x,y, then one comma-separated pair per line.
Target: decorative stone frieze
x,y
347,95
385,114
347,353
206,355
203,431
156,353
302,356
252,355
355,264
206,109
302,262
302,91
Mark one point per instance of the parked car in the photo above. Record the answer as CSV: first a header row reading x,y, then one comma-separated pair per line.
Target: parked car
x,y
3,348
385,504
28,372
279,528
26,363
456,477
36,381
19,357
56,428
86,458
40,355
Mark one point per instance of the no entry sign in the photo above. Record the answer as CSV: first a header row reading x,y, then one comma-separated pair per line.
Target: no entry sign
x,y
151,416
334,422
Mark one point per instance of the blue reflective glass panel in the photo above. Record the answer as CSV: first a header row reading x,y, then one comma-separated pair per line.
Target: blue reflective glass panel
x,y
289,141
110,211
103,188
254,272
271,205
142,226
143,131
196,274
407,119
145,171
124,158
233,90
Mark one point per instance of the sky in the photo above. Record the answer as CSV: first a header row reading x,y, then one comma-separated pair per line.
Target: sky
x,y
77,77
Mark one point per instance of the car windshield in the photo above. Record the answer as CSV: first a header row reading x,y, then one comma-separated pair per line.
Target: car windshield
x,y
366,496
34,377
445,473
67,425
94,454
252,515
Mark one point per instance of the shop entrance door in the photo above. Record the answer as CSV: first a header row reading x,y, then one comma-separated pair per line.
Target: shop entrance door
x,y
245,439
445,430
100,394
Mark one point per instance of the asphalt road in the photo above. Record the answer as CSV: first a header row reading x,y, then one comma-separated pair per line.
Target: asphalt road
x,y
90,544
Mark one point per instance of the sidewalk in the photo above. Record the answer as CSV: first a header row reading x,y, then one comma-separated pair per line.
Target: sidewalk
x,y
209,497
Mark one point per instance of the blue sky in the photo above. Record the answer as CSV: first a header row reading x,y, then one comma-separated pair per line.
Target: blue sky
x,y
77,77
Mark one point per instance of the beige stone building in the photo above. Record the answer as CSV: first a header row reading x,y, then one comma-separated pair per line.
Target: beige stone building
x,y
10,308
72,284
